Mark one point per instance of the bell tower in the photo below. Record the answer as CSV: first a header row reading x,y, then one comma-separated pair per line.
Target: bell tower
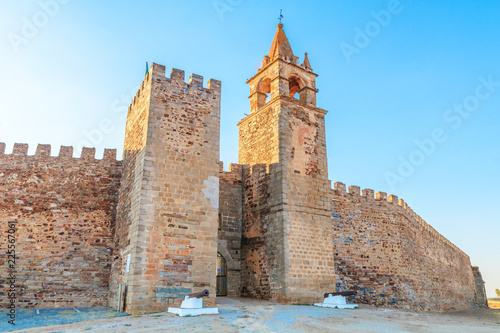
x,y
280,76
288,227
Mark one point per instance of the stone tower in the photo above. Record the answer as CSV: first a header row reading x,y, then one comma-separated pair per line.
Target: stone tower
x,y
167,216
287,246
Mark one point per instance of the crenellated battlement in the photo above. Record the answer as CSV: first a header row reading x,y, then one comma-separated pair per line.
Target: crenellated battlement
x,y
179,76
259,173
233,167
65,210
234,175
43,151
401,205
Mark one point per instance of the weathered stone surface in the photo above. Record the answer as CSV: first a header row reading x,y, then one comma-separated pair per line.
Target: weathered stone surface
x,y
65,212
230,224
390,256
480,293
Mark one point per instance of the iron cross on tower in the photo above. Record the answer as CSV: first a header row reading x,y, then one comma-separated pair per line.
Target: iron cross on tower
x,y
281,15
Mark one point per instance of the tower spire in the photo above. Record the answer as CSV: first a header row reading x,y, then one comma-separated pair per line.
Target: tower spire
x,y
281,45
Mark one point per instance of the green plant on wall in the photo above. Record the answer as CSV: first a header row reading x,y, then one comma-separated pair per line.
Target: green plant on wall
x,y
498,292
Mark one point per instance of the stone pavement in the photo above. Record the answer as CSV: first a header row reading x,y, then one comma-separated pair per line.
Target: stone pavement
x,y
249,315
30,318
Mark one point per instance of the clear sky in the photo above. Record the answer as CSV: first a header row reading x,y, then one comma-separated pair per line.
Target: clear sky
x,y
412,88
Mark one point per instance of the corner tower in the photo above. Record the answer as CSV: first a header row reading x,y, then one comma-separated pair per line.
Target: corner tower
x,y
287,240
167,215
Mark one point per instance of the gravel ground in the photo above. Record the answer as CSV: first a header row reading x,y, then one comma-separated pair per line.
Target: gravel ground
x,y
247,315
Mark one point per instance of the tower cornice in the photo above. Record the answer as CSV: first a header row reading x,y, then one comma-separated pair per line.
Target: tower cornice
x,y
277,100
263,69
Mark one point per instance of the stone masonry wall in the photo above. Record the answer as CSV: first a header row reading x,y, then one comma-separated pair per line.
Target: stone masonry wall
x,y
287,232
174,205
390,256
262,258
65,211
480,295
263,263
230,225
259,137
308,249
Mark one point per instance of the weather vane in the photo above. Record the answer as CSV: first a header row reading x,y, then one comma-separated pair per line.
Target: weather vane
x,y
281,15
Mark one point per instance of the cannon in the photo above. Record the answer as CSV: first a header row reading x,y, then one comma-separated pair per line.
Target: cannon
x,y
342,293
201,294
192,305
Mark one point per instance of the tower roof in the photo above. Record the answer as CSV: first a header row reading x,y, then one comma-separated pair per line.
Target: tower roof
x,y
280,46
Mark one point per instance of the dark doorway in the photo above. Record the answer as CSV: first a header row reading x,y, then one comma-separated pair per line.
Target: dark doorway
x,y
221,275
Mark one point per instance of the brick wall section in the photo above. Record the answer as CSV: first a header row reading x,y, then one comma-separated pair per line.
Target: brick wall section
x,y
230,225
65,211
173,215
391,256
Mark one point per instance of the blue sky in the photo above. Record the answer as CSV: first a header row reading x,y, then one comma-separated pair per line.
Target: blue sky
x,y
388,82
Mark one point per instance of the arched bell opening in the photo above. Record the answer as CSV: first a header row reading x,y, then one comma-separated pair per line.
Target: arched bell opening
x,y
264,87
295,83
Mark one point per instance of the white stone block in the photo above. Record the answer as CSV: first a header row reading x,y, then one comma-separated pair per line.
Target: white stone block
x,y
192,307
193,312
192,303
338,302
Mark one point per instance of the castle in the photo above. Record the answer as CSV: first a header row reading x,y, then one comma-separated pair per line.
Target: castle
x,y
140,234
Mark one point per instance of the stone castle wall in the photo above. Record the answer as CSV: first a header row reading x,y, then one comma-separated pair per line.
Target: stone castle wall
x,y
141,234
391,256
65,212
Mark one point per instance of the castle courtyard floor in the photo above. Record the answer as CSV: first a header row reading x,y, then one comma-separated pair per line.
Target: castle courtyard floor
x,y
247,315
